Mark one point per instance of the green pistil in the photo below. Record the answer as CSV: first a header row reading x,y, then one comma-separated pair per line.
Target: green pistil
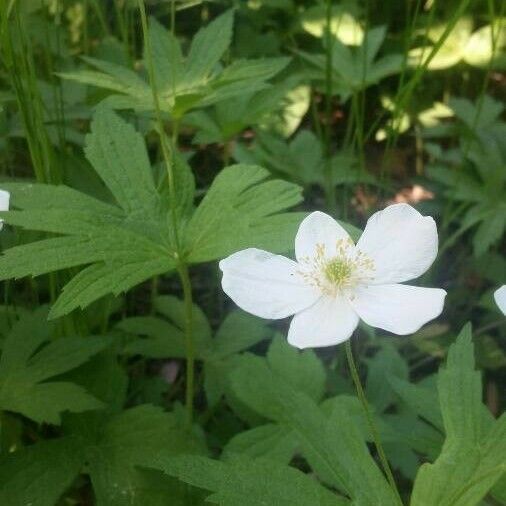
x,y
338,271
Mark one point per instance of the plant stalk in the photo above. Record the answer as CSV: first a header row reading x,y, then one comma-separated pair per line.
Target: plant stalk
x,y
370,421
168,155
330,190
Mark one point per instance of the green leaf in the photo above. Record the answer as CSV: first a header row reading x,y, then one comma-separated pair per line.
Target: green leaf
x,y
272,441
137,437
114,143
227,119
301,160
182,84
109,451
167,57
122,244
354,69
253,383
28,361
38,475
304,371
386,363
490,231
121,78
335,448
254,380
166,339
473,455
238,332
423,401
207,48
101,279
250,482
242,209
158,337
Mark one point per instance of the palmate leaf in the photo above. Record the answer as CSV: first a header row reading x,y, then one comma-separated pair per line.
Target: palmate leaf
x,y
335,447
250,482
28,363
227,119
252,384
182,83
355,69
136,437
162,336
473,457
243,209
124,243
121,244
39,474
481,184
402,433
287,388
108,445
110,453
302,160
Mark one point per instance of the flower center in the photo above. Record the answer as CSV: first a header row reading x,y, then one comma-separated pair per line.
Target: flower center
x,y
338,271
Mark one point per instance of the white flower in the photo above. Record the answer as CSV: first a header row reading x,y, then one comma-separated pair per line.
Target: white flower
x,y
4,204
334,283
500,298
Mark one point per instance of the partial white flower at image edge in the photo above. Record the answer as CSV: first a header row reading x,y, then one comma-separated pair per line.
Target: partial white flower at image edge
x,y
334,283
4,204
500,298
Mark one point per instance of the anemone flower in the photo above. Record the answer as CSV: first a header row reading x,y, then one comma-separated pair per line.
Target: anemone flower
x,y
4,204
334,283
500,298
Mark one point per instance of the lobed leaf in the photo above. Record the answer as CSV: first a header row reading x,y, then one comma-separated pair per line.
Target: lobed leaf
x,y
473,455
250,482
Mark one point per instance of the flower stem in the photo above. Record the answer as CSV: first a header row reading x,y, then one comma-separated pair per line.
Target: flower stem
x,y
370,421
189,345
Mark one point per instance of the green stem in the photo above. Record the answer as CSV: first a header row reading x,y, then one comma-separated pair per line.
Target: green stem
x,y
175,135
173,17
189,345
168,155
228,147
370,421
168,159
490,326
330,190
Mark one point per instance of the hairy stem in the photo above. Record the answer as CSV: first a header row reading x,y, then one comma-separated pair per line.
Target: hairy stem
x,y
370,421
166,150
168,156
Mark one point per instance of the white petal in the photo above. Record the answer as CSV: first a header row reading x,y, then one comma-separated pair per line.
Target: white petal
x,y
318,228
500,298
401,242
4,204
266,285
328,322
401,309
